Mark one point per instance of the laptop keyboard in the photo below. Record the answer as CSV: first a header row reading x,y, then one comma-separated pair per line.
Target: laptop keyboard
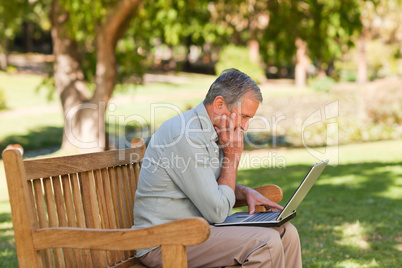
x,y
262,217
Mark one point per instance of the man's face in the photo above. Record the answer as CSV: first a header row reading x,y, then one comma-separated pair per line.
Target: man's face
x,y
244,112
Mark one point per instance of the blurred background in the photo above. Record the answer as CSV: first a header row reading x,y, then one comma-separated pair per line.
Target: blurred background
x,y
102,72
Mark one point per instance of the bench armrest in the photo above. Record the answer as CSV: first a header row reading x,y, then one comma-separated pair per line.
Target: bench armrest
x,y
186,232
272,192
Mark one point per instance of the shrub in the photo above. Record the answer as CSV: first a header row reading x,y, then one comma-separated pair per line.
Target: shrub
x,y
322,84
382,61
384,102
238,57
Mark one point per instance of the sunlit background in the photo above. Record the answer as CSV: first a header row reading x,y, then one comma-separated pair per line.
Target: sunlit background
x,y
103,72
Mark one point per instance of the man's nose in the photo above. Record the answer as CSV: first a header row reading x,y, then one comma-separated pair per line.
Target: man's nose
x,y
244,125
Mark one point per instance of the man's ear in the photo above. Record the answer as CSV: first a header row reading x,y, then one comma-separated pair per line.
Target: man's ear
x,y
219,105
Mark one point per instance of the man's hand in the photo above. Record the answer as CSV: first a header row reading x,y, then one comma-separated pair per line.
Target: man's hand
x,y
231,141
230,137
254,198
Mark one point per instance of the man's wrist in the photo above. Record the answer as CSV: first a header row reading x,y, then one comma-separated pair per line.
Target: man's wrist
x,y
242,191
231,161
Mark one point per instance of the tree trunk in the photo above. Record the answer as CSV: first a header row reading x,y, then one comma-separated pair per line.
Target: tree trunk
x,y
361,60
84,116
254,50
3,56
69,80
302,62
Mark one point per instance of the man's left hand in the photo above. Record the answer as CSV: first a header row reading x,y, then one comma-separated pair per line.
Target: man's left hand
x,y
254,199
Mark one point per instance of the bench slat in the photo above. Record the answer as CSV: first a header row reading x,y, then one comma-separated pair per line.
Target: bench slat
x,y
123,198
41,211
115,256
31,192
61,214
129,196
132,181
42,168
79,212
71,222
52,217
91,212
102,208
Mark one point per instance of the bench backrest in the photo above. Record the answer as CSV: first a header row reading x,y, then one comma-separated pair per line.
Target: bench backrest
x,y
94,190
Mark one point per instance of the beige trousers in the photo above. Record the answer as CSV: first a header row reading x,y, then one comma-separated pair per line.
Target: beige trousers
x,y
248,246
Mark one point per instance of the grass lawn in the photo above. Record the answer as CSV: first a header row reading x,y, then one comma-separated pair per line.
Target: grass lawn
x,y
355,204
352,217
349,202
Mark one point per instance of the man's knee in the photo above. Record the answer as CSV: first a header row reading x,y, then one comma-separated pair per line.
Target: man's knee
x,y
290,231
271,237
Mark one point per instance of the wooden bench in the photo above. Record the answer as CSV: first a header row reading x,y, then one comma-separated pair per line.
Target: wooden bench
x,y
77,211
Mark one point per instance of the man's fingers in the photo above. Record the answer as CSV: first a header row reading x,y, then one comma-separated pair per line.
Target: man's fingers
x,y
223,123
231,129
274,205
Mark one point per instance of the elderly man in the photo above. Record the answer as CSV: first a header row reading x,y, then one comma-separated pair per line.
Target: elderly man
x,y
190,170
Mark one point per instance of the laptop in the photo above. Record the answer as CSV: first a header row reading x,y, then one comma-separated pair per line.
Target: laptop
x,y
277,218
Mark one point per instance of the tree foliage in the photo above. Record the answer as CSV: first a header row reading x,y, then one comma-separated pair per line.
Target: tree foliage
x,y
326,25
12,13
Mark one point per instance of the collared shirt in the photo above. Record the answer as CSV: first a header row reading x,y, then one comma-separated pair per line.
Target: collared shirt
x,y
179,174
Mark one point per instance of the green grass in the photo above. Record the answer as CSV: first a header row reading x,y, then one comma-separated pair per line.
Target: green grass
x,y
352,215
343,232
350,218
32,115
20,91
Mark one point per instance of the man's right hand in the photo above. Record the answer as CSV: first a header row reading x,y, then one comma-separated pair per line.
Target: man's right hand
x,y
230,140
230,137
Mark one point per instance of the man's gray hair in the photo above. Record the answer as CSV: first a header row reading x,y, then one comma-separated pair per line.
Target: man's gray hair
x,y
232,85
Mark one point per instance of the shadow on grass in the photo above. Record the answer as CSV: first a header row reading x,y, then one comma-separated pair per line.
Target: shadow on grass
x,y
8,253
43,140
351,217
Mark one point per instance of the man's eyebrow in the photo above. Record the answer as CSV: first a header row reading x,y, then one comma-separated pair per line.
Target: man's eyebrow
x,y
246,115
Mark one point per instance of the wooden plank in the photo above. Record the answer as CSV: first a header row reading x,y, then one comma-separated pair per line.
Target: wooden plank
x,y
71,221
100,193
79,212
52,216
137,169
102,207
129,263
90,210
129,194
115,256
123,198
35,217
115,197
108,196
22,215
42,168
41,208
132,180
186,232
123,203
61,213
174,256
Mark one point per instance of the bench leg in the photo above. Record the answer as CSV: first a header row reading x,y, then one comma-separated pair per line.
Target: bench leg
x,y
174,256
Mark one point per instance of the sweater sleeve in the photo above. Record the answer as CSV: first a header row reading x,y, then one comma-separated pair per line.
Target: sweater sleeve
x,y
191,168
